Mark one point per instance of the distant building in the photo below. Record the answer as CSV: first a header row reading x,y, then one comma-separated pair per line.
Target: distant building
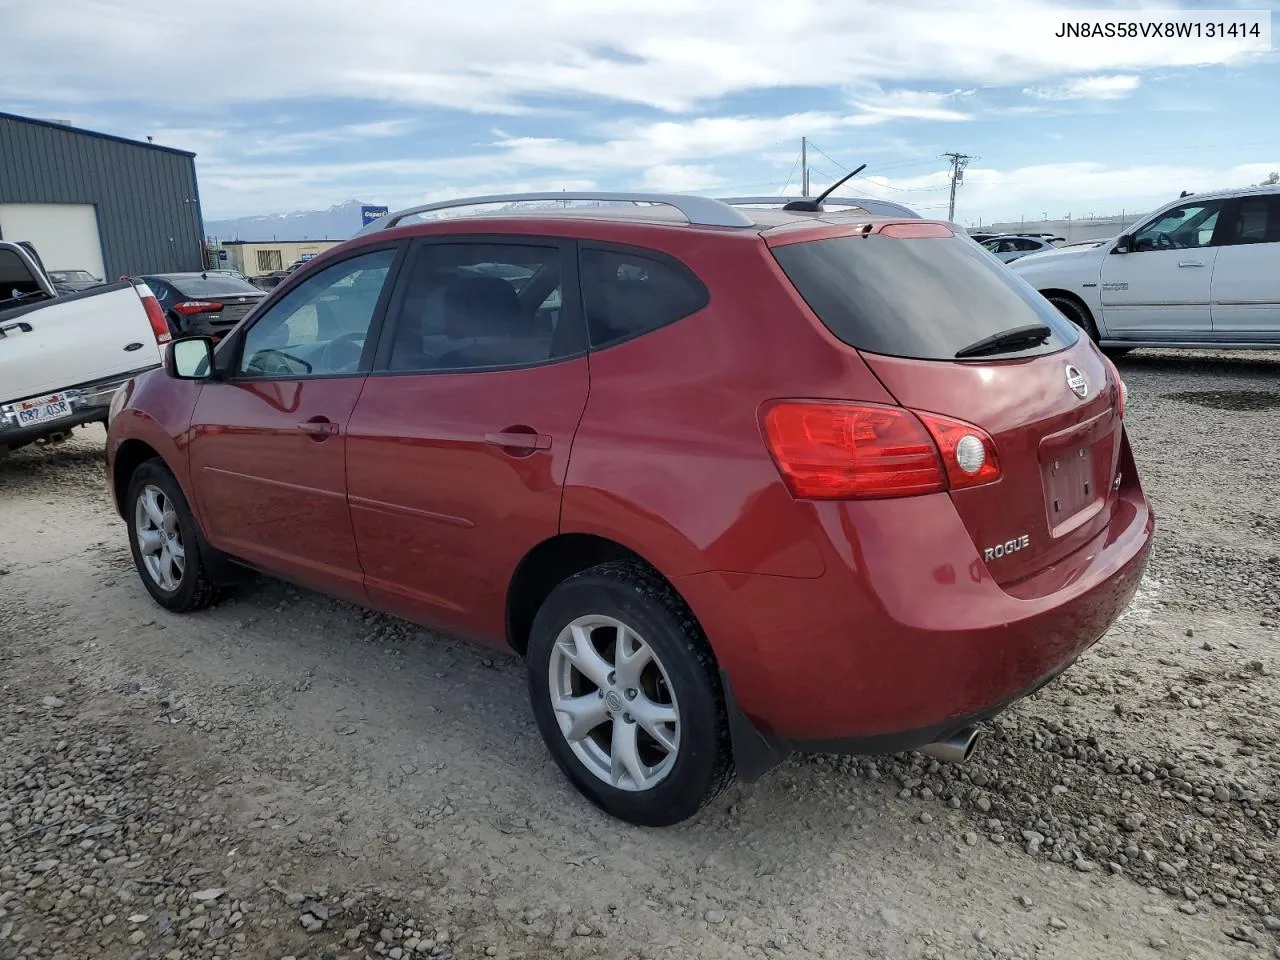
x,y
96,202
257,259
1076,228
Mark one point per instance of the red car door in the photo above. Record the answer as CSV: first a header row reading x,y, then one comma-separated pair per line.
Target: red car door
x,y
459,444
268,461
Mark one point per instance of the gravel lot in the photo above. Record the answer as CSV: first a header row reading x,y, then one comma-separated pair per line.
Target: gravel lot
x,y
288,776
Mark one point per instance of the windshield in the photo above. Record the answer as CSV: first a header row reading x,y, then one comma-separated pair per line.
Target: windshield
x,y
197,288
924,298
73,276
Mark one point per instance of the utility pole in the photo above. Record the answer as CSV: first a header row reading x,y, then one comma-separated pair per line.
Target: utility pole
x,y
958,162
804,166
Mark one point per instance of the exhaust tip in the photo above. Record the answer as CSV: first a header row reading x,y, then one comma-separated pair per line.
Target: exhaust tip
x,y
956,749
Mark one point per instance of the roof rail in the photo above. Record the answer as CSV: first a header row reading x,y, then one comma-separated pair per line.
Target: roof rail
x,y
699,211
884,208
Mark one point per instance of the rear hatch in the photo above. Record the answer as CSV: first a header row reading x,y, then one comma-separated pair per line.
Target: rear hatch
x,y
1047,399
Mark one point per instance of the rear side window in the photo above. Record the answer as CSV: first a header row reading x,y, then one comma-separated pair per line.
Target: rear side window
x,y
924,298
627,294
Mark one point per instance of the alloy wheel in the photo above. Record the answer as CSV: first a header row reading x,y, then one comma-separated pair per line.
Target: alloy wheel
x,y
614,703
159,537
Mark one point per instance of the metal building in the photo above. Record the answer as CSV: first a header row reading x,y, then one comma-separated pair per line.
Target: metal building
x,y
96,202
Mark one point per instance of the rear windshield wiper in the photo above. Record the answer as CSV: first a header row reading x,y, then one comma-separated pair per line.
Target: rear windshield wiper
x,y
1028,336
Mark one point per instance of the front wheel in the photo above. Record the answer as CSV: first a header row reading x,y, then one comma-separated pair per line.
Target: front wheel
x,y
164,541
627,697
1076,312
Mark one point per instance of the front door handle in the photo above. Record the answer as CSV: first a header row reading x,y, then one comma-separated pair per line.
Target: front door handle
x,y
319,428
523,439
21,326
1191,263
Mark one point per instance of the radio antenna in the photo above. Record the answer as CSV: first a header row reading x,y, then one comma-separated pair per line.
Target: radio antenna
x,y
806,205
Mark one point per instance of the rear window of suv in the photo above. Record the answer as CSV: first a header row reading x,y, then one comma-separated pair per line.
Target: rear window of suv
x,y
921,298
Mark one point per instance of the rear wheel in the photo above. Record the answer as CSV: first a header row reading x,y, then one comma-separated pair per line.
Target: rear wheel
x,y
627,697
164,541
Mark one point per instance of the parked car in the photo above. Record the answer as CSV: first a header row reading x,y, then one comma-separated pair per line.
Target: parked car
x,y
1200,271
270,281
63,355
74,280
235,274
1010,248
203,304
735,483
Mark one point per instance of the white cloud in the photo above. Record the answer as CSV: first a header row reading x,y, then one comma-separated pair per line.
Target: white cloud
x,y
679,178
1083,188
1112,87
511,55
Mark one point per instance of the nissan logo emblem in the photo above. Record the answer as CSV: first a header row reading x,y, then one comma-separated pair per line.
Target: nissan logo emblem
x,y
1076,381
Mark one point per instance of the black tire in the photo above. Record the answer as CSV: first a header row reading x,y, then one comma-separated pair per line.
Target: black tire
x,y
194,590
633,594
1075,311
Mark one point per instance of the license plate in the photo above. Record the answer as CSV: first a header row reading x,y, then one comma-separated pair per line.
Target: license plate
x,y
1069,484
42,409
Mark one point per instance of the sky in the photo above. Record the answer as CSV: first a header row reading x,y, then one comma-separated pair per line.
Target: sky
x,y
303,104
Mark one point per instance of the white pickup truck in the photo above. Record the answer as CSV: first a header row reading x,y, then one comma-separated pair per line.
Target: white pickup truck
x,y
1201,271
64,354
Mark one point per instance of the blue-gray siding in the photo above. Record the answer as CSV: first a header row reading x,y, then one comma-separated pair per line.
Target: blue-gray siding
x,y
148,206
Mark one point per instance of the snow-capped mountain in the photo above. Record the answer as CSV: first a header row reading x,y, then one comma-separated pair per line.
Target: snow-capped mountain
x,y
337,223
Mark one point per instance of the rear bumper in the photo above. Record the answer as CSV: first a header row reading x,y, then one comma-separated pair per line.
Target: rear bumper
x,y
89,402
906,638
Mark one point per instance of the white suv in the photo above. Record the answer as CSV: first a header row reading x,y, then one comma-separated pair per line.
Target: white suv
x,y
1203,271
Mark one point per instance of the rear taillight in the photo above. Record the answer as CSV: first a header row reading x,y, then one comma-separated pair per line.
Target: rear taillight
x,y
841,451
191,307
968,453
155,316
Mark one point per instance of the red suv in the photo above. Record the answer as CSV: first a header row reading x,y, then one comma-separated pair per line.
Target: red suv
x,y
735,482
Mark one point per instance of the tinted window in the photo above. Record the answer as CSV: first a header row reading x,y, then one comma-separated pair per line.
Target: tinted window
x,y
1025,244
476,305
1190,225
320,326
198,288
921,298
627,294
1255,220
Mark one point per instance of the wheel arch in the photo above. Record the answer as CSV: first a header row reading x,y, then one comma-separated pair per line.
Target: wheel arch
x,y
550,563
130,455
1087,312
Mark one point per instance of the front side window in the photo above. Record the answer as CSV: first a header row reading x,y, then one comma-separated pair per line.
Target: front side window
x,y
469,306
319,327
1188,226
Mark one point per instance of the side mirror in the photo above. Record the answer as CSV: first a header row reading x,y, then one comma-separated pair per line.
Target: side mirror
x,y
1124,245
190,359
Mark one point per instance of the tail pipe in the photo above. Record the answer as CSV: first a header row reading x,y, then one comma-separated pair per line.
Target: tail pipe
x,y
956,749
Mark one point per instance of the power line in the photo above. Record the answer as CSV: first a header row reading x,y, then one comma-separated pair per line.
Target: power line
x,y
783,191
884,186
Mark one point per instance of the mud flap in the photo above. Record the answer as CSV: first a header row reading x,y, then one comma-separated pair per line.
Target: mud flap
x,y
754,754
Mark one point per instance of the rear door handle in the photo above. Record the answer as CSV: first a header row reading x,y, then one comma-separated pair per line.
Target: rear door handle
x,y
518,438
318,428
1191,263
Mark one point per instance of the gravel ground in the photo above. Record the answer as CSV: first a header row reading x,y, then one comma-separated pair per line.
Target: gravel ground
x,y
289,776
